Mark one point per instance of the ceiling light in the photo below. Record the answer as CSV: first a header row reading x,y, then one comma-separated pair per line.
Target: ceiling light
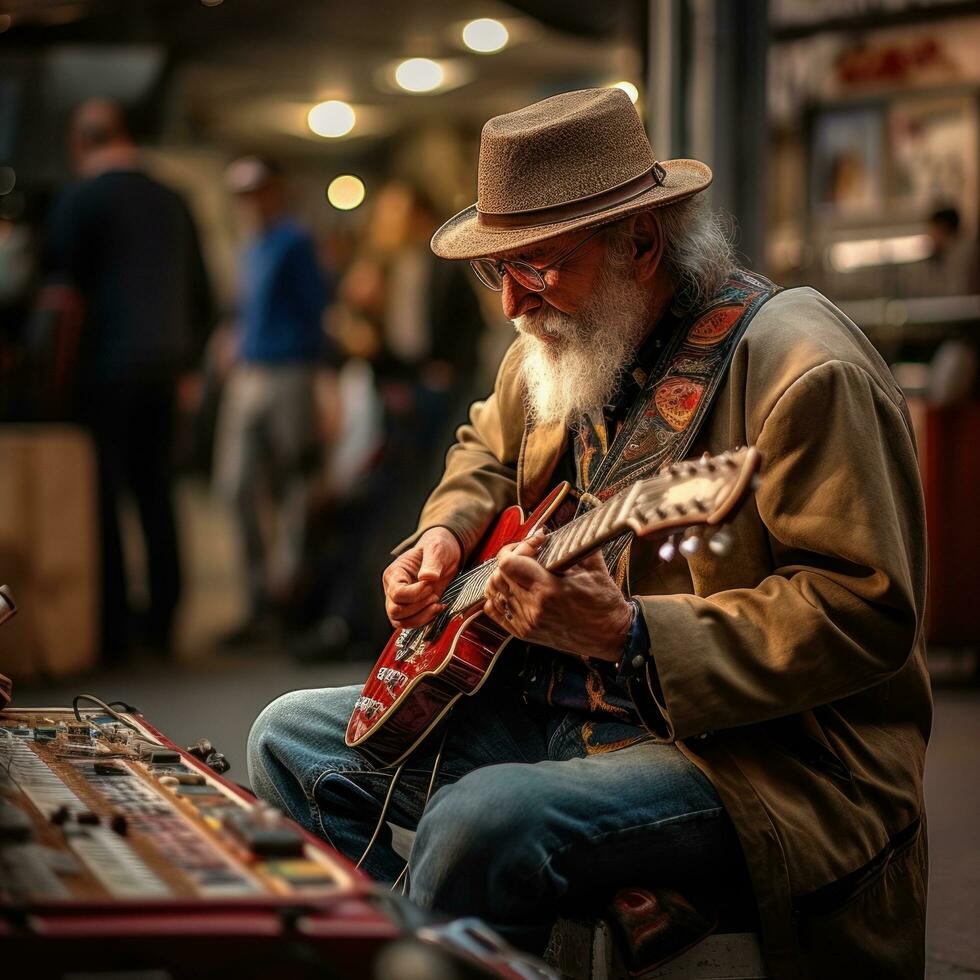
x,y
630,89
419,75
331,119
485,35
345,192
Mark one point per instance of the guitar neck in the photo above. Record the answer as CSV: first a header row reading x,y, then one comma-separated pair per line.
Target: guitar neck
x,y
562,548
585,533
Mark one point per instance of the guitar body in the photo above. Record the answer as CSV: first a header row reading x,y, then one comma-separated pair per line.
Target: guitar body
x,y
408,693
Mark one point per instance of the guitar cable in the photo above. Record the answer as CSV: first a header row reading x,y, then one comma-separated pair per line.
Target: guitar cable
x,y
384,812
436,766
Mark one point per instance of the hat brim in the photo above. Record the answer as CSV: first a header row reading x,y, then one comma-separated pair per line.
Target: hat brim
x,y
465,236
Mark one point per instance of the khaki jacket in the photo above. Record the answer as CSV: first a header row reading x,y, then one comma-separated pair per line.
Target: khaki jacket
x,y
793,672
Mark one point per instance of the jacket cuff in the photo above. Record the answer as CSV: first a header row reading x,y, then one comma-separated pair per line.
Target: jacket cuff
x,y
644,686
456,532
636,649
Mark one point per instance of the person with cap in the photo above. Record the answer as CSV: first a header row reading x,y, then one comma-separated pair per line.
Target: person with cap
x,y
677,724
268,436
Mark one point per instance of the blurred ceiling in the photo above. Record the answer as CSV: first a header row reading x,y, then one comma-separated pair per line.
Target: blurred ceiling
x,y
244,73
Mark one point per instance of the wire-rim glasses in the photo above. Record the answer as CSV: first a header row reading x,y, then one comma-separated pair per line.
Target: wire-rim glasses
x,y
491,271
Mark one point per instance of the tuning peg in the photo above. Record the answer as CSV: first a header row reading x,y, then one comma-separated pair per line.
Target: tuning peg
x,y
721,542
668,550
691,544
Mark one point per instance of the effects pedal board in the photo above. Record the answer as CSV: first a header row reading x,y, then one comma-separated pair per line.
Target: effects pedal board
x,y
115,844
122,855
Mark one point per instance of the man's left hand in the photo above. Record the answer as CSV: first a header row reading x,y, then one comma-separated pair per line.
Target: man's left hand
x,y
580,611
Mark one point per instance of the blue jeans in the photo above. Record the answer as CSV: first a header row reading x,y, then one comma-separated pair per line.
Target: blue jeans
x,y
536,810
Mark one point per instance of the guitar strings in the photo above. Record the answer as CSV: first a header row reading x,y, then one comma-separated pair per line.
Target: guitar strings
x,y
469,586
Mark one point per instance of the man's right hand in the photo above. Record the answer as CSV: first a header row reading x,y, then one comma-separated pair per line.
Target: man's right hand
x,y
415,580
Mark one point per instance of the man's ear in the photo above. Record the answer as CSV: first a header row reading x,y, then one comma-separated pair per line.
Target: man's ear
x,y
649,239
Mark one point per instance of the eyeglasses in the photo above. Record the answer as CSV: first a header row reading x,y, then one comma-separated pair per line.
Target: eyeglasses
x,y
491,271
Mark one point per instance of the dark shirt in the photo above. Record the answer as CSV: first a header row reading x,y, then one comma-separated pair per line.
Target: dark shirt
x,y
283,296
129,246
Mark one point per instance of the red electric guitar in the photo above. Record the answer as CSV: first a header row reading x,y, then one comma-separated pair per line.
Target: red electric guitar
x,y
424,670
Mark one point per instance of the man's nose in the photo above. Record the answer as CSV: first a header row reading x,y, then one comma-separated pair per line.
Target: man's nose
x,y
515,299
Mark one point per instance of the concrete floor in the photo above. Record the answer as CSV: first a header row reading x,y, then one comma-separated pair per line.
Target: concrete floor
x,y
202,694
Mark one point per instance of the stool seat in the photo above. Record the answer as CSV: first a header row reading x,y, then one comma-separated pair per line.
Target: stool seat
x,y
588,951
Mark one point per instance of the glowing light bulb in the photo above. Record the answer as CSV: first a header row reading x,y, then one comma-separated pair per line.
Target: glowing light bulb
x,y
346,192
331,119
630,89
419,75
485,35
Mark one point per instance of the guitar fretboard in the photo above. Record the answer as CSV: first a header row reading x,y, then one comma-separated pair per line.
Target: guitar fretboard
x,y
562,547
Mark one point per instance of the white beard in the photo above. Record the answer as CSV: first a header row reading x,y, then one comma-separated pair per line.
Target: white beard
x,y
576,369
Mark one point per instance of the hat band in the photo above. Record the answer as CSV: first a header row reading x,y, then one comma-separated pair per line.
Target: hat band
x,y
584,206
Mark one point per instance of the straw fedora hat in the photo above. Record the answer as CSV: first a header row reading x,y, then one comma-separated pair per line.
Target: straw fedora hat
x,y
575,160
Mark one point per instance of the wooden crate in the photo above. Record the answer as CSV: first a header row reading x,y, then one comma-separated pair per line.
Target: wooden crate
x,y
49,551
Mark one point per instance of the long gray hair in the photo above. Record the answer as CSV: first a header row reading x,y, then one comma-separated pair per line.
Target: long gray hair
x,y
698,251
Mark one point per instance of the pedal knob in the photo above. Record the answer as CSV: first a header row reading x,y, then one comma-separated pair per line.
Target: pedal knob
x,y
217,762
201,749
668,550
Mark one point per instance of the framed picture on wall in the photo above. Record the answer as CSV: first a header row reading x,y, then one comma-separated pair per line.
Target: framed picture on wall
x,y
933,143
847,161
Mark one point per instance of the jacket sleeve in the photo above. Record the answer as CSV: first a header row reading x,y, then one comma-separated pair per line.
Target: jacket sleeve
x,y
480,479
841,502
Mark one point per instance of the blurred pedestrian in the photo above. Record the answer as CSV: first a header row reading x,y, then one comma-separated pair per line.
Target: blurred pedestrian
x,y
953,264
427,327
268,439
124,262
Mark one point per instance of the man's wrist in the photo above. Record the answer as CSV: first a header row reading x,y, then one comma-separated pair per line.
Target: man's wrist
x,y
444,533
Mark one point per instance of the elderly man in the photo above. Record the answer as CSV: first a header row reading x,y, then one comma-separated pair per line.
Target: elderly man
x,y
783,703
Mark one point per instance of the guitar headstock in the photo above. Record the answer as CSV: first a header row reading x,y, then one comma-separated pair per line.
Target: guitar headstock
x,y
692,494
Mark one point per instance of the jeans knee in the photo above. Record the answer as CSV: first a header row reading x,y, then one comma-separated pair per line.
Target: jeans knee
x,y
266,731
477,837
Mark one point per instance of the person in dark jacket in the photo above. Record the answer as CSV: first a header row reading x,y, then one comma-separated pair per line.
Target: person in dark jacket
x,y
124,252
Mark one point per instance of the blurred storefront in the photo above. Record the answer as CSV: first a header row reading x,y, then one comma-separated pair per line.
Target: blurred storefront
x,y
874,144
